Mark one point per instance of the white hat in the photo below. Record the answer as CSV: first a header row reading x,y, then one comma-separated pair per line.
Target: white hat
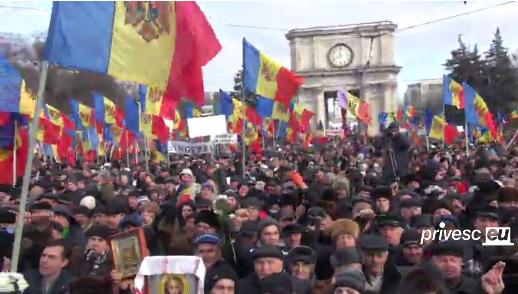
x,y
143,199
88,202
186,171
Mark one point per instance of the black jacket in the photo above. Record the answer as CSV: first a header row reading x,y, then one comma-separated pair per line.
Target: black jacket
x,y
467,285
399,145
34,279
249,285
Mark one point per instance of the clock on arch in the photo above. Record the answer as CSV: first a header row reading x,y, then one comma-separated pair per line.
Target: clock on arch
x,y
340,55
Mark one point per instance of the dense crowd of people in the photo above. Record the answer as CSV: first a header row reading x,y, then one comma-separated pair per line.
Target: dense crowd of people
x,y
345,217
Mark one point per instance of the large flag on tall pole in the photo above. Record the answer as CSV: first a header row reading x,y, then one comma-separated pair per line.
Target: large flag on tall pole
x,y
453,93
159,44
268,78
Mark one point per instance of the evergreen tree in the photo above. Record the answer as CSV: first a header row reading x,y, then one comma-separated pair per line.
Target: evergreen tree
x,y
465,65
250,98
500,78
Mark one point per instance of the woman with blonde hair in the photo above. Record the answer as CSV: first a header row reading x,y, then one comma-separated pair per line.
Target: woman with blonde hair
x,y
173,285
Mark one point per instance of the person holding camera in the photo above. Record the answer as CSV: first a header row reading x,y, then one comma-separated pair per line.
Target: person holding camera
x,y
396,157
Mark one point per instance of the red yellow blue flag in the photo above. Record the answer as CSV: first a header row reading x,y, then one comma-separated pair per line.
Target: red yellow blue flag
x,y
268,78
453,92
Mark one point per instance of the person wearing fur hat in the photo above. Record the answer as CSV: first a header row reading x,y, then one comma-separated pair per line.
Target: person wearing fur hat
x,y
344,233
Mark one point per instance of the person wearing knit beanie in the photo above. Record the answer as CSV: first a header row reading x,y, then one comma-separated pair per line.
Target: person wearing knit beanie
x,y
206,222
344,233
268,232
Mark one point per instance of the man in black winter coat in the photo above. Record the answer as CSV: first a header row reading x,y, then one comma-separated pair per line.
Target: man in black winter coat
x,y
267,260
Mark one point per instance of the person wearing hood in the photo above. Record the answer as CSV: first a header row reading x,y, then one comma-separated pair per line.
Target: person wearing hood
x,y
410,252
72,232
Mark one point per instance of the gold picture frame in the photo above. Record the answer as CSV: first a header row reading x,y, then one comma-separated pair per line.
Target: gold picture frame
x,y
128,250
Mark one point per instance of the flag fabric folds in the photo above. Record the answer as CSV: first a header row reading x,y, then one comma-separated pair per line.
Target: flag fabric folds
x,y
226,104
453,92
159,44
268,78
477,112
437,128
14,96
21,146
107,112
441,130
342,98
196,45
112,38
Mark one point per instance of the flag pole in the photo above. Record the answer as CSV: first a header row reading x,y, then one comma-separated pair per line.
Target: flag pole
x,y
145,139
127,150
137,151
444,115
512,139
40,101
274,135
14,151
243,131
42,150
466,136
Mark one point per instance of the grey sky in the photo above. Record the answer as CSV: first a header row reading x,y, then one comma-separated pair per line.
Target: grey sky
x,y
420,51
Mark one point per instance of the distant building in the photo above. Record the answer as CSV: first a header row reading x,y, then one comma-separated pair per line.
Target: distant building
x,y
425,94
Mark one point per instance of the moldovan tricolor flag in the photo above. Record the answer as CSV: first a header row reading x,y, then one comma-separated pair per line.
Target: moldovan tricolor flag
x,y
14,96
268,78
152,43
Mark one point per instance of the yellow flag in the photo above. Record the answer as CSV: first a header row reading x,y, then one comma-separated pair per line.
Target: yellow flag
x,y
437,129
267,79
354,104
27,101
146,124
154,100
280,112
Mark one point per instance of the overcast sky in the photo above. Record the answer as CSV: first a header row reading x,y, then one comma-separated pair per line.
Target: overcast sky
x,y
420,51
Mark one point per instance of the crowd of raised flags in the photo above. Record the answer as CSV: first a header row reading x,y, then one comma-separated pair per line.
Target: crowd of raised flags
x,y
158,114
